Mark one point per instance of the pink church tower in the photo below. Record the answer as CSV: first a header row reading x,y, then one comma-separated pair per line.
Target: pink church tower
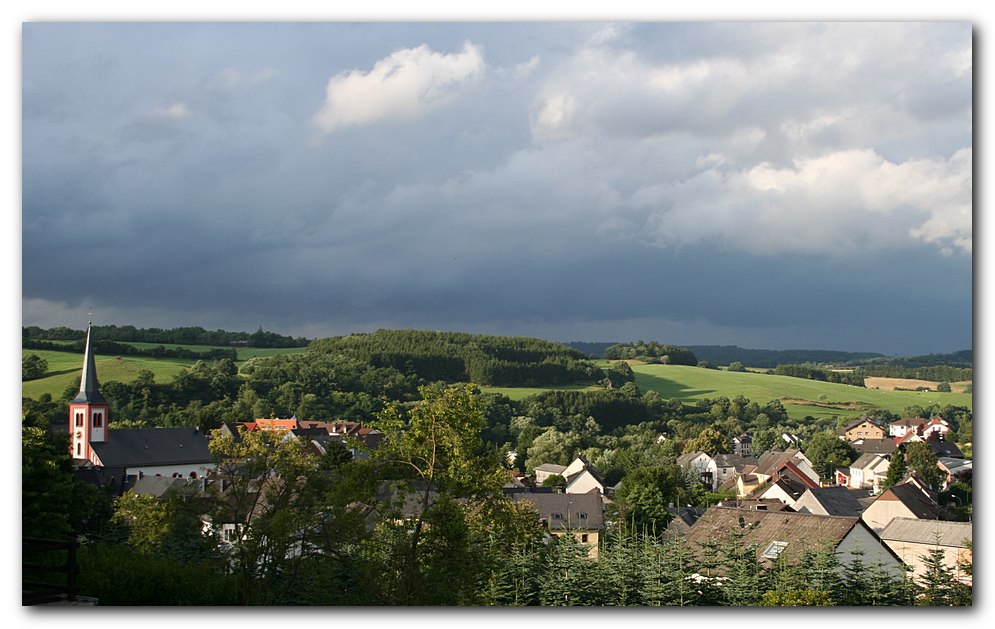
x,y
89,412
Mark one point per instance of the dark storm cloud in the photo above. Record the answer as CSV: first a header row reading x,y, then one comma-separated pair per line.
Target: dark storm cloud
x,y
776,184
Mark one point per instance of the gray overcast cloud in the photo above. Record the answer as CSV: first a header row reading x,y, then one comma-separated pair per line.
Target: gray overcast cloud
x,y
777,185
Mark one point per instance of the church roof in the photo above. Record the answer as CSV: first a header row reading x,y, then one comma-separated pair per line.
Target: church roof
x,y
89,391
132,447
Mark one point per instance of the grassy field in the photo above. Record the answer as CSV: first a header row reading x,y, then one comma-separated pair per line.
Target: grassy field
x,y
65,368
800,397
517,393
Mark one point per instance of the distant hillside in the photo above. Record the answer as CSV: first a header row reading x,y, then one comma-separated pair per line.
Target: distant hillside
x,y
725,354
459,356
771,358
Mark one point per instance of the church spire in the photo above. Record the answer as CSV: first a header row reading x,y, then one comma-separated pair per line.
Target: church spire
x,y
89,391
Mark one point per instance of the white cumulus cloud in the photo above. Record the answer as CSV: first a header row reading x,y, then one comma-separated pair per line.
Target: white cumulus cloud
x,y
839,202
405,84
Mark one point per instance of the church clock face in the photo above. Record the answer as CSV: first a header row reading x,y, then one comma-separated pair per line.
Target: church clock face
x,y
79,434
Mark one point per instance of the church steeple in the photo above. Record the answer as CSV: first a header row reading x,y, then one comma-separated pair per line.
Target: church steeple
x,y
89,389
89,412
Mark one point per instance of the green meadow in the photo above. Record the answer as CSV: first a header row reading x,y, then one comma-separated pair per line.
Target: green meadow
x,y
800,397
65,368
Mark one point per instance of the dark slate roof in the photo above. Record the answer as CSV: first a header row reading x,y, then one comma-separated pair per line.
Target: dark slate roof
x,y
945,448
131,447
837,500
158,486
89,390
114,480
575,511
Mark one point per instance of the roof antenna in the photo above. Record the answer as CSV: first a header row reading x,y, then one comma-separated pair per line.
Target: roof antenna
x,y
89,316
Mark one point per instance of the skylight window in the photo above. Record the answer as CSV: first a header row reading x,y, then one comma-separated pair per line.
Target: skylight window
x,y
774,550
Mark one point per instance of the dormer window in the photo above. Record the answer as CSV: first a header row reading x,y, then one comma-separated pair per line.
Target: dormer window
x,y
557,516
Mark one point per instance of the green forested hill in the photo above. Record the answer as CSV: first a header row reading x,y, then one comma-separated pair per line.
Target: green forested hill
x,y
461,357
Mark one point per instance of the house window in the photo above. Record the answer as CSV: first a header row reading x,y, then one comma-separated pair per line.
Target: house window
x,y
581,516
79,419
98,420
79,451
583,538
774,550
557,516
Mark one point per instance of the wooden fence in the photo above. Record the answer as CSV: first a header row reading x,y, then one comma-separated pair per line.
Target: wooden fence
x,y
49,570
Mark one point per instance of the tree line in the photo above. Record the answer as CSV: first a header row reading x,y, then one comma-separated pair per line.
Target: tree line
x,y
652,352
190,335
112,348
822,375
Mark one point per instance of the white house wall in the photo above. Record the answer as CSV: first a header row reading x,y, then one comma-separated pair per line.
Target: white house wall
x,y
862,539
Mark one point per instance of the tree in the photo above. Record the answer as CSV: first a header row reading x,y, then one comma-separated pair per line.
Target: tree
x,y
555,480
618,373
896,468
826,451
939,585
710,441
438,445
646,493
46,484
919,458
271,494
554,447
32,366
943,387
736,366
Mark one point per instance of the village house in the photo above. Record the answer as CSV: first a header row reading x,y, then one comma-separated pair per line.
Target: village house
x,y
906,500
883,447
579,515
862,428
544,471
869,471
728,466
787,489
919,426
829,501
912,539
955,469
583,478
787,535
742,445
703,465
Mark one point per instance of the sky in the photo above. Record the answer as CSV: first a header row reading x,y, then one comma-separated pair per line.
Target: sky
x,y
770,185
